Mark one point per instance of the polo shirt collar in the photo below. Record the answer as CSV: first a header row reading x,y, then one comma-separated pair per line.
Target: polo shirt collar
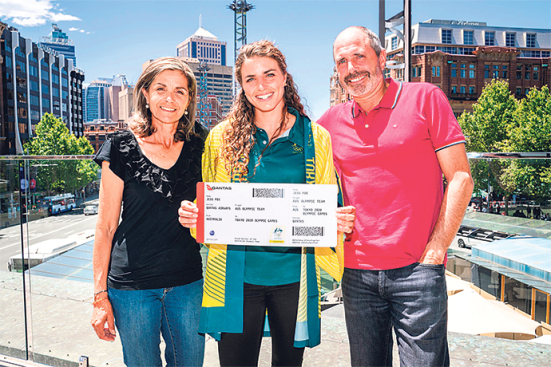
x,y
389,99
295,134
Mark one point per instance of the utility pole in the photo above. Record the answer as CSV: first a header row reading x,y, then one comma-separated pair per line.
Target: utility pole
x,y
240,9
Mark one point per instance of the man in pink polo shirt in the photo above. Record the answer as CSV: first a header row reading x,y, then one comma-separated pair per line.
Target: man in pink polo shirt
x,y
391,145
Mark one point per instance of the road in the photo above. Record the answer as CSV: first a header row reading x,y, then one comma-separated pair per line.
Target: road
x,y
58,226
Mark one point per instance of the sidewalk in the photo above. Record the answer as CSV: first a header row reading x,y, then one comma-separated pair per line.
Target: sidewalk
x,y
61,311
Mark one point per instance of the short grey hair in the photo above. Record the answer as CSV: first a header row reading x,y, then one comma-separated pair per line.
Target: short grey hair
x,y
373,39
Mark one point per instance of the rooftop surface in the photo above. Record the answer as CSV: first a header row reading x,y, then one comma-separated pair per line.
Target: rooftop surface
x,y
61,333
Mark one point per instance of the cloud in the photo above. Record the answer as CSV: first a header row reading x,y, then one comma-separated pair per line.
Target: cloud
x,y
32,13
74,29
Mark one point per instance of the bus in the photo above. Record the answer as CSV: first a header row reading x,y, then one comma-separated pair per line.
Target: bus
x,y
60,203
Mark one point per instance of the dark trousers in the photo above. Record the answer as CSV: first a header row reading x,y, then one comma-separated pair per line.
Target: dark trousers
x,y
282,304
412,299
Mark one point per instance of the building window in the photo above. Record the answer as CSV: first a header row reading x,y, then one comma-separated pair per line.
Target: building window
x,y
34,100
471,90
519,74
45,103
446,36
471,74
55,92
496,67
418,49
462,73
462,91
510,39
495,74
454,73
413,75
34,85
545,54
530,40
55,78
45,75
20,65
21,97
33,70
45,89
526,91
536,75
35,115
527,75
504,73
22,112
436,71
489,38
394,43
454,89
468,37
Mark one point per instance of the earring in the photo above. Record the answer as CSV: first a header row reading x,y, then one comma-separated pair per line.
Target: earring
x,y
185,112
147,105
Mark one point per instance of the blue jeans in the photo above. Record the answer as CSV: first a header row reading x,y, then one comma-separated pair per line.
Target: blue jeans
x,y
412,299
141,316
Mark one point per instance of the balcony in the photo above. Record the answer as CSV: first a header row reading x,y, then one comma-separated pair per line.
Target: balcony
x,y
46,309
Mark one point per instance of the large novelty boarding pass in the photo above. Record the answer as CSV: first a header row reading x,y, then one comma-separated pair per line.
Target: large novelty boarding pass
x,y
267,214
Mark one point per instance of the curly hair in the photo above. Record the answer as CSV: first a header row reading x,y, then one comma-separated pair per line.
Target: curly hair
x,y
141,121
238,136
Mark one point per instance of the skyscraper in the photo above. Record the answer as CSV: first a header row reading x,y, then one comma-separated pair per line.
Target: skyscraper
x,y
59,42
204,46
101,98
96,100
35,80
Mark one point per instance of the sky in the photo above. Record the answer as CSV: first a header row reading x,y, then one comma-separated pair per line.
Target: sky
x,y
118,36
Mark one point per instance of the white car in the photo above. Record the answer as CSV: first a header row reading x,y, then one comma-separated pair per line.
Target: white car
x,y
90,209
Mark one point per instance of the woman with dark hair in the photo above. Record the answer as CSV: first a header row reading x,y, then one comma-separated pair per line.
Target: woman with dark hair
x,y
267,139
147,268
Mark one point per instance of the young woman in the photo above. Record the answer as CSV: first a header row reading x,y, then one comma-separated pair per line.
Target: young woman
x,y
267,139
147,268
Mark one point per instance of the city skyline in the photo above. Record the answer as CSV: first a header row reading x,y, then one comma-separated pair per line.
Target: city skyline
x,y
117,37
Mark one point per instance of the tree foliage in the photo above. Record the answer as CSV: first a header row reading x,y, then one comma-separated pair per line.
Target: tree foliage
x,y
500,123
53,138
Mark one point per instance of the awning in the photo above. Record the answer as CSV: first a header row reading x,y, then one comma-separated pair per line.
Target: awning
x,y
511,273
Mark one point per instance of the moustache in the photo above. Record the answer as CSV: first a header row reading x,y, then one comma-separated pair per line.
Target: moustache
x,y
355,75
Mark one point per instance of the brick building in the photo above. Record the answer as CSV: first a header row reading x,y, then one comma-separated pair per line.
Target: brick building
x,y
462,57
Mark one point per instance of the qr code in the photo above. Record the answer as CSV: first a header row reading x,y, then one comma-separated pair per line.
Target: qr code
x,y
307,231
267,193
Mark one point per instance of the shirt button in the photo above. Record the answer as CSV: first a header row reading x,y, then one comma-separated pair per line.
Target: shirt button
x,y
264,142
366,126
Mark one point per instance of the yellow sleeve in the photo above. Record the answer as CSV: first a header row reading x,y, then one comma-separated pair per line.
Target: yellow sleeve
x,y
327,259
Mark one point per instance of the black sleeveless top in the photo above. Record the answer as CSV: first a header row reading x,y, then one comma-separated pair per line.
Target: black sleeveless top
x,y
150,248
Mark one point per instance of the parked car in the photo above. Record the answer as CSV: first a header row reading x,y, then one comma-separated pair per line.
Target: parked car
x,y
469,236
90,209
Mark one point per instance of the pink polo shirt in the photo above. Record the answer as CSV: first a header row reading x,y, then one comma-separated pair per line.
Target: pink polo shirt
x,y
386,160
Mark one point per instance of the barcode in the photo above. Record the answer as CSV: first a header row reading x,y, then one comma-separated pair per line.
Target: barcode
x,y
308,231
267,193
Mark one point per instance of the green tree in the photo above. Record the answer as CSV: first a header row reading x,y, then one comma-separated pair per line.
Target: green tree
x,y
486,130
501,123
531,132
486,127
53,138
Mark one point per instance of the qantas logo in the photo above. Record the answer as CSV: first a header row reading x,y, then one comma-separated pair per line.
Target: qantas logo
x,y
212,188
